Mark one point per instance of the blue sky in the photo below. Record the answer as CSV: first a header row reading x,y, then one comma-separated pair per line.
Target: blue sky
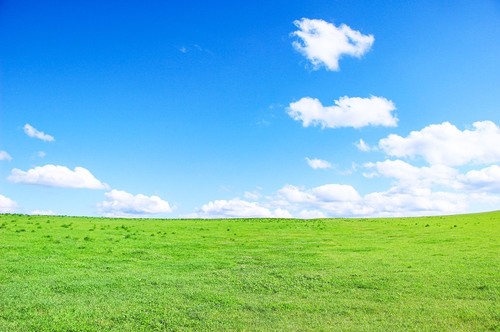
x,y
258,109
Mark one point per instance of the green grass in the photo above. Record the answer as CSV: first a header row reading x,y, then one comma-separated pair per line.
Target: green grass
x,y
400,274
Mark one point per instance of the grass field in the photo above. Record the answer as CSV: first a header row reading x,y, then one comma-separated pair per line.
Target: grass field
x,y
400,274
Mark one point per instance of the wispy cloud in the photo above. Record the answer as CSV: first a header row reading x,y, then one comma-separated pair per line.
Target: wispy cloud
x,y
362,146
57,176
33,132
316,163
324,44
195,48
120,203
353,112
5,156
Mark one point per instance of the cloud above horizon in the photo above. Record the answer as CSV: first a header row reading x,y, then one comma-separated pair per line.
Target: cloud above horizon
x,y
34,133
57,176
362,146
316,163
5,156
340,200
436,189
7,205
323,43
445,144
120,203
42,213
484,180
238,208
352,112
412,176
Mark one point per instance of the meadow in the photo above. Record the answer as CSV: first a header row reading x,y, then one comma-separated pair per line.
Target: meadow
x,y
397,274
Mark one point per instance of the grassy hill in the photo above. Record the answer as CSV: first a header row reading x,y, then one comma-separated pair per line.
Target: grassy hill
x,y
398,274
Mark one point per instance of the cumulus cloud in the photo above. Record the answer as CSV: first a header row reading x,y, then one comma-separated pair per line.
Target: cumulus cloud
x,y
417,191
7,205
294,194
335,193
327,193
486,179
318,163
324,44
353,112
237,208
445,144
5,156
33,132
406,201
334,200
412,176
437,188
57,176
120,203
325,200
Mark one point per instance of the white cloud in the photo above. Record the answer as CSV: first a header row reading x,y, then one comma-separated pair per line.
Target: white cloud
x,y
334,200
5,156
311,214
252,195
362,146
434,189
454,194
237,208
41,154
335,193
295,194
324,44
399,201
353,112
326,200
420,192
42,212
7,205
411,176
120,203
33,132
318,163
486,179
57,176
445,144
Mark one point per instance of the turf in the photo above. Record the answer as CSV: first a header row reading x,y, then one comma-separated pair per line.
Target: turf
x,y
400,274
